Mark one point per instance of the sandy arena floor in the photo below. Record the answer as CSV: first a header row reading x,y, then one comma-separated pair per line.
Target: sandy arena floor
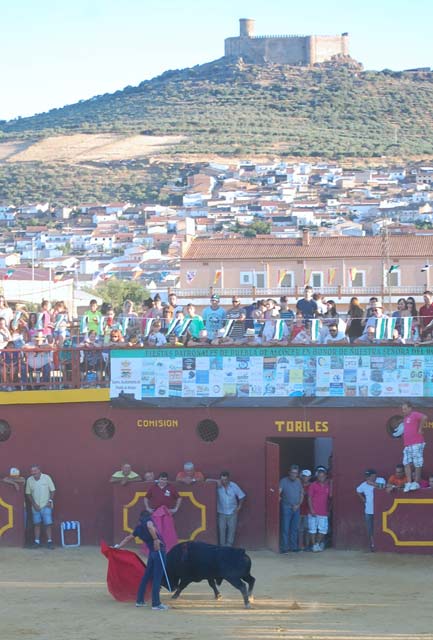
x,y
62,595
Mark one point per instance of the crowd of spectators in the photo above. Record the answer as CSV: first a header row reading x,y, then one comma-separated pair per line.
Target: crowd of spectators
x,y
33,345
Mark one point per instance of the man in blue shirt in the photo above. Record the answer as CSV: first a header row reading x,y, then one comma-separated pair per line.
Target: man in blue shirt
x,y
147,532
214,317
306,305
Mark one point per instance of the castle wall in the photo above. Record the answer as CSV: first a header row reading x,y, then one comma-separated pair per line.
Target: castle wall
x,y
293,50
286,50
323,48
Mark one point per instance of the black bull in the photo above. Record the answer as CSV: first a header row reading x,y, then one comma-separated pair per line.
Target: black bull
x,y
196,561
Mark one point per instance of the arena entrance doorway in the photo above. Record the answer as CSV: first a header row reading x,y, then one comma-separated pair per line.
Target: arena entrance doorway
x,y
280,453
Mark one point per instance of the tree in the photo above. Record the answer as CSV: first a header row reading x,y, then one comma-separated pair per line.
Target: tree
x,y
117,291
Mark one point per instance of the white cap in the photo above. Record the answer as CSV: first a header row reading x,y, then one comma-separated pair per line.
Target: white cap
x,y
306,473
14,472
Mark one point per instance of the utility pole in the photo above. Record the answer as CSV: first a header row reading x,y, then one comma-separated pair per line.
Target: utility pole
x,y
33,258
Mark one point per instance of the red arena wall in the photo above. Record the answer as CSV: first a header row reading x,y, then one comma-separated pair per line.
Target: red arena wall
x,y
61,440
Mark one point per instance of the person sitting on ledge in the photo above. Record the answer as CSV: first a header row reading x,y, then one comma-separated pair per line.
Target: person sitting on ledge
x,y
125,475
397,480
189,475
14,478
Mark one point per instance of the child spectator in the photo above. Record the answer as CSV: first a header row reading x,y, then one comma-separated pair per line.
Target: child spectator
x,y
365,492
304,542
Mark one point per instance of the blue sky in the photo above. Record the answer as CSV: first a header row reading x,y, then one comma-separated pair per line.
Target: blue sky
x,y
55,52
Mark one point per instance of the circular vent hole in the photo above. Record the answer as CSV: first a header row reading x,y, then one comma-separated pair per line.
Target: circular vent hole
x,y
103,429
5,431
393,426
208,430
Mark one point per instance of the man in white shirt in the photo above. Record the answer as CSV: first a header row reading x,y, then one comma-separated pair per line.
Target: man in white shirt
x,y
334,336
40,490
230,498
365,492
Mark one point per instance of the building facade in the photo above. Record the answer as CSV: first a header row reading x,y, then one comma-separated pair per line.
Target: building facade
x,y
340,266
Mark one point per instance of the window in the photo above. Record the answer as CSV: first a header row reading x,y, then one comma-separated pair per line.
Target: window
x,y
260,279
316,280
288,280
394,279
359,279
253,278
246,277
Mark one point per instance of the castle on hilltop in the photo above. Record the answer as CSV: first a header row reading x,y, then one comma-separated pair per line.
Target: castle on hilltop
x,y
299,50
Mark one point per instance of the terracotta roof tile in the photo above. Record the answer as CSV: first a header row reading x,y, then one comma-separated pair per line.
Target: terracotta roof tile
x,y
319,247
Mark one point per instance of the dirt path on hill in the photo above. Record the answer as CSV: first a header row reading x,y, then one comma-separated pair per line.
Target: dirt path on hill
x,y
62,595
81,147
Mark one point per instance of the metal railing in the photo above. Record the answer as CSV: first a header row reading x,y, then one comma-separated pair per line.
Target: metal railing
x,y
298,291
53,368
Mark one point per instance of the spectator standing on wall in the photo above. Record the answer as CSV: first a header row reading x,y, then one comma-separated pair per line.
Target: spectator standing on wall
x,y
40,489
230,498
413,453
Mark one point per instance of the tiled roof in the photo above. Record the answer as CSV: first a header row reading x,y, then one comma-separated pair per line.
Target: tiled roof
x,y
318,247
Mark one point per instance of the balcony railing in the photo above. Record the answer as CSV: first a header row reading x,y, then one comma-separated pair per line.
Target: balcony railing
x,y
297,292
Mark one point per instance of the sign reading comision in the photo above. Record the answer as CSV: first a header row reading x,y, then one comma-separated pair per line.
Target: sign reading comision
x,y
362,372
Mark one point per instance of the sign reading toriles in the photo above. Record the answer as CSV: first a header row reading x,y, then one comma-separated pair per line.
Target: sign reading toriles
x,y
302,426
315,372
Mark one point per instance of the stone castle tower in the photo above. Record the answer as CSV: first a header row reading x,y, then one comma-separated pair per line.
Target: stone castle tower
x,y
301,50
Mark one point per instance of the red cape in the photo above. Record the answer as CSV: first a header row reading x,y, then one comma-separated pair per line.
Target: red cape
x,y
124,573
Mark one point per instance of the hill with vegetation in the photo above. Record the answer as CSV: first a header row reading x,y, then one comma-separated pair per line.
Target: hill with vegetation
x,y
229,108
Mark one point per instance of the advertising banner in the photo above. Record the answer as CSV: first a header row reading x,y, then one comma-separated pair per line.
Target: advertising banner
x,y
152,375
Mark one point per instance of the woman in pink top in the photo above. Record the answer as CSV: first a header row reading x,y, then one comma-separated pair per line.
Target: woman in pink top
x,y
44,319
414,443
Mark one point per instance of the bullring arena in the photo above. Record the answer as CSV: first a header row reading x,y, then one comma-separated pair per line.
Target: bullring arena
x,y
62,595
